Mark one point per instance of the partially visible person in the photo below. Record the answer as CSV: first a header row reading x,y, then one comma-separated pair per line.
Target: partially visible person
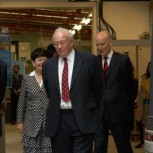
x,y
3,83
116,107
7,46
15,92
135,93
32,106
143,104
51,50
1,45
72,83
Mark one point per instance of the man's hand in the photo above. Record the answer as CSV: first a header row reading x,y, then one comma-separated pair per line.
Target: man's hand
x,y
17,93
3,107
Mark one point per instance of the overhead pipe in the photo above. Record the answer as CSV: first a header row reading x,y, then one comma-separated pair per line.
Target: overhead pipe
x,y
102,21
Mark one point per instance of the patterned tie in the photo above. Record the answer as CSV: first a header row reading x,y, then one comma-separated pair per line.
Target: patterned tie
x,y
65,85
105,65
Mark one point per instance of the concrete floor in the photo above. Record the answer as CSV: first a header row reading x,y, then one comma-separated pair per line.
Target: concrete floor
x,y
13,144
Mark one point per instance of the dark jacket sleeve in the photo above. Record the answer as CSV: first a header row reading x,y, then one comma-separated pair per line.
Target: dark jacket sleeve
x,y
3,80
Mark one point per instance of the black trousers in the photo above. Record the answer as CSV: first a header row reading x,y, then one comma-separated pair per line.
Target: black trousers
x,y
141,129
0,126
121,134
14,104
69,139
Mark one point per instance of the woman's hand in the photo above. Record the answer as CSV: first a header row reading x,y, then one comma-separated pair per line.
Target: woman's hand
x,y
19,127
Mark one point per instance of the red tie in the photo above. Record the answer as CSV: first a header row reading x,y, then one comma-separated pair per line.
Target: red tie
x,y
105,65
65,85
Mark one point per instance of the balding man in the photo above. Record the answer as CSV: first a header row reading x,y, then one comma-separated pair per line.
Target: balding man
x,y
71,80
116,107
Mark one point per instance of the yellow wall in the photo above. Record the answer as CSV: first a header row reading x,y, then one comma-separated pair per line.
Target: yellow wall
x,y
129,19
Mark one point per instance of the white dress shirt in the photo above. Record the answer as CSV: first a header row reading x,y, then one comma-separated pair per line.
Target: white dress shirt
x,y
109,56
33,73
70,61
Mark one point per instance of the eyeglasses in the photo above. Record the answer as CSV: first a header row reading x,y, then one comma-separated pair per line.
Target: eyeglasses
x,y
61,43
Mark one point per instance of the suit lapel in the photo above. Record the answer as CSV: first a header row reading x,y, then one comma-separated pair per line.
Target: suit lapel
x,y
100,60
102,70
77,65
112,63
55,70
101,66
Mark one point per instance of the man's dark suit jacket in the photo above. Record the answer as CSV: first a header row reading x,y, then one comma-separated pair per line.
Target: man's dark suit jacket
x,y
85,93
3,82
16,85
117,96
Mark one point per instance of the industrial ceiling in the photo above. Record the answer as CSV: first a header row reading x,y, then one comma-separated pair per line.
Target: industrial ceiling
x,y
44,21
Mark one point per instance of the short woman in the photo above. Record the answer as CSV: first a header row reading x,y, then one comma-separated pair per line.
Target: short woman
x,y
32,106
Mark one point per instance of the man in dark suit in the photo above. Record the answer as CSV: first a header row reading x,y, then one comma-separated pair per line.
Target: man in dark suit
x,y
116,107
15,92
72,116
3,82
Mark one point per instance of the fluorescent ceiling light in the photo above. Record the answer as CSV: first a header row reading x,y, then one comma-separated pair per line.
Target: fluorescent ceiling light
x,y
77,27
86,21
72,31
90,15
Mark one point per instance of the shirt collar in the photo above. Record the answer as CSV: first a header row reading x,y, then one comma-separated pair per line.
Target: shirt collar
x,y
110,54
70,56
32,73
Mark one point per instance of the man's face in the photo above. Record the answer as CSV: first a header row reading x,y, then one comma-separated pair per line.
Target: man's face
x,y
62,43
16,70
103,44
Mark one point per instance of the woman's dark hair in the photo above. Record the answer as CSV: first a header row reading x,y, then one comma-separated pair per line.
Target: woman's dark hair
x,y
51,50
148,70
38,53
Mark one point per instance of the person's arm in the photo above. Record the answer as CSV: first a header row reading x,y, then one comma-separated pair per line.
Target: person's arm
x,y
128,77
3,107
3,81
19,127
21,106
44,78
